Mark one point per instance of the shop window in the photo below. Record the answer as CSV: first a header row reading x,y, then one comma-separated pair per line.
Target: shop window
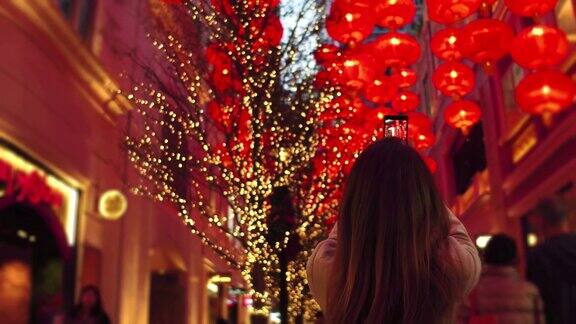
x,y
510,79
566,19
469,158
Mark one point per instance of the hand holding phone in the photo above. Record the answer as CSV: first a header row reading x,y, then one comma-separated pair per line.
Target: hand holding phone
x,y
396,126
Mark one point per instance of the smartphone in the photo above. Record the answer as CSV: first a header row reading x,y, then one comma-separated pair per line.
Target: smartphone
x,y
396,126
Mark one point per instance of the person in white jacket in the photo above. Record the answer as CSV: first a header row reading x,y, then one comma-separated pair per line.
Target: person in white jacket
x,y
397,254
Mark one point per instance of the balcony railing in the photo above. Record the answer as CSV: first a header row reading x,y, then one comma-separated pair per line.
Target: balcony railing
x,y
480,187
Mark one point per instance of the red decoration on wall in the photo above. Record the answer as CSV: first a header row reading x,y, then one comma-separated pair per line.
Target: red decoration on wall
x,y
396,49
405,101
447,12
462,114
486,41
350,22
381,90
530,8
394,14
545,93
454,79
539,47
445,44
404,77
28,187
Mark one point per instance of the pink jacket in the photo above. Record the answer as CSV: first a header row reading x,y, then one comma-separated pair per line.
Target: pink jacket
x,y
460,248
504,296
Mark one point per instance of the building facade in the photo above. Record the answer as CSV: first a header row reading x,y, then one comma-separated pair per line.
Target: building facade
x,y
511,162
62,126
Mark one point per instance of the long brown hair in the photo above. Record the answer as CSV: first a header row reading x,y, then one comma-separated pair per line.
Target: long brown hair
x,y
392,225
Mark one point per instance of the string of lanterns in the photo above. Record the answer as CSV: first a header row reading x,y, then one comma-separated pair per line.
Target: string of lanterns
x,y
484,41
540,49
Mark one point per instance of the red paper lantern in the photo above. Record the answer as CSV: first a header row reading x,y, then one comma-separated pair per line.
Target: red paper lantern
x,y
454,79
540,46
530,8
486,41
393,14
327,53
217,57
462,114
221,114
354,69
445,44
447,12
423,141
267,31
405,101
404,77
224,7
418,123
342,107
350,23
381,90
225,79
396,49
545,93
223,155
322,79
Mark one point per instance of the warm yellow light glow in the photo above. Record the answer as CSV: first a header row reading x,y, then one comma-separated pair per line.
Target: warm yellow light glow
x,y
453,74
546,90
349,17
221,279
377,82
394,41
392,2
532,239
482,241
537,31
403,97
351,63
112,204
452,40
404,73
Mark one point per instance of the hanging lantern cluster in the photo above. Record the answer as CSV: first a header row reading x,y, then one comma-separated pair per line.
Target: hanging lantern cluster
x,y
483,41
370,77
539,49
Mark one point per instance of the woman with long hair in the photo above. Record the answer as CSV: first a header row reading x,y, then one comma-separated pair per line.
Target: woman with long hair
x,y
397,254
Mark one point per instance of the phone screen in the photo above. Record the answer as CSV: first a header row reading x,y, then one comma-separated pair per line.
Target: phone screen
x,y
396,126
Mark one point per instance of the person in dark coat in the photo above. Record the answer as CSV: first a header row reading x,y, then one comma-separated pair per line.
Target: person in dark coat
x,y
552,264
89,310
